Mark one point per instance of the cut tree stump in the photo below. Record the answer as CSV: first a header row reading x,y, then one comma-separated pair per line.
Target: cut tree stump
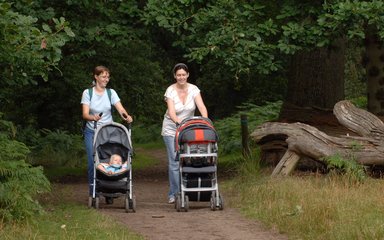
x,y
300,140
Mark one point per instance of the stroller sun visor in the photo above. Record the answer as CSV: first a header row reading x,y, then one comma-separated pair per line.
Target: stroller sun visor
x,y
195,130
106,150
112,139
198,135
112,134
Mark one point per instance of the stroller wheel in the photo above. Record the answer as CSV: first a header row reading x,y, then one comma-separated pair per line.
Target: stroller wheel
x,y
132,203
186,203
126,204
213,201
178,202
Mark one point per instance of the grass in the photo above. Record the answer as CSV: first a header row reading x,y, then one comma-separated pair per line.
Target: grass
x,y
305,206
64,219
69,222
312,206
141,160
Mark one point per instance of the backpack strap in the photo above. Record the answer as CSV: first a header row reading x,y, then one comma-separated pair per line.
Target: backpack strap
x,y
109,92
109,95
90,91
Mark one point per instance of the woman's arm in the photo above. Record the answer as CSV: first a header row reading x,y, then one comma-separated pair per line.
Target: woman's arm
x,y
123,113
201,106
172,111
87,116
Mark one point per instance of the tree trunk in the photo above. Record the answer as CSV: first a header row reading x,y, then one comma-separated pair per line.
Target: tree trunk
x,y
304,141
374,65
316,80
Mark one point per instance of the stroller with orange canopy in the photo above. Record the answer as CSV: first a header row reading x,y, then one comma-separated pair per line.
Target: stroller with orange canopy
x,y
197,152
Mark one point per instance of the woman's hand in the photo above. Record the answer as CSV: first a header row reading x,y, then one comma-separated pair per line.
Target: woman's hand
x,y
96,117
127,117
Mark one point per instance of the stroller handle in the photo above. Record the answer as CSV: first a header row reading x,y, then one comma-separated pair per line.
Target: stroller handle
x,y
95,122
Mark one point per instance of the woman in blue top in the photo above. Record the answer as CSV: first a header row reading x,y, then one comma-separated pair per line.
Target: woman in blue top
x,y
98,109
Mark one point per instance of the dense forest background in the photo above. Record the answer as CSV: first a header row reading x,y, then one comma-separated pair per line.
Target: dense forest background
x,y
238,52
43,89
306,54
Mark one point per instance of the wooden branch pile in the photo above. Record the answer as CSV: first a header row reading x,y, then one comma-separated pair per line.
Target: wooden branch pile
x,y
305,141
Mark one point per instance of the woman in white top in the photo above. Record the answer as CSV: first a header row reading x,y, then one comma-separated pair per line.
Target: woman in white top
x,y
181,98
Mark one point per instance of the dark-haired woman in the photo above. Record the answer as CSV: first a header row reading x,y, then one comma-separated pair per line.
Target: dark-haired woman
x,y
93,106
182,98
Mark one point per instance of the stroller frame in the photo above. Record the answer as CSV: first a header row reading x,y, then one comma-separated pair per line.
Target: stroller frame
x,y
124,179
204,177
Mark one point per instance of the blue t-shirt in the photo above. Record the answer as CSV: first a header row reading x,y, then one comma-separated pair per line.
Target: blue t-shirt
x,y
114,167
100,104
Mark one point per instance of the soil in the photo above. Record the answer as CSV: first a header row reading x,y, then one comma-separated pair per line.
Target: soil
x,y
155,219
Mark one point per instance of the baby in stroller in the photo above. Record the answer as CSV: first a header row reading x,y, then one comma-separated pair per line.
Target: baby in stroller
x,y
115,165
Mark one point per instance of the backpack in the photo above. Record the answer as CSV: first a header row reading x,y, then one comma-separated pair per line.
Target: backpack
x,y
90,92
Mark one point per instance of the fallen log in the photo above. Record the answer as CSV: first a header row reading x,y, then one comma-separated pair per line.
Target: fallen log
x,y
305,141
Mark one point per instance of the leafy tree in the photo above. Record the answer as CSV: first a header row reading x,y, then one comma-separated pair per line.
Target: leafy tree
x,y
26,50
107,33
228,43
262,35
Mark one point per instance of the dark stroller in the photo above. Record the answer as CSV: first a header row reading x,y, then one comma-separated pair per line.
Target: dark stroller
x,y
113,138
196,146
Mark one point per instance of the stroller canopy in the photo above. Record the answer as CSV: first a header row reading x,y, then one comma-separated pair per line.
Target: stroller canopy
x,y
112,138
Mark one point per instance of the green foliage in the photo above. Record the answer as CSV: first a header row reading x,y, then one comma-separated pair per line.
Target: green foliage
x,y
58,148
229,129
311,206
146,133
67,220
353,171
236,33
107,33
27,50
360,102
222,94
355,82
19,181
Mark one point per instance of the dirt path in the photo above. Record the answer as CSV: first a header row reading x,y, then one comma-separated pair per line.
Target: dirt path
x,y
157,220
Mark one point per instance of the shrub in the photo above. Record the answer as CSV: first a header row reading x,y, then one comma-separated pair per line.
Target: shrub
x,y
229,129
58,148
19,181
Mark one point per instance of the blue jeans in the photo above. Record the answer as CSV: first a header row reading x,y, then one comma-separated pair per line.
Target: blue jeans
x,y
88,141
173,166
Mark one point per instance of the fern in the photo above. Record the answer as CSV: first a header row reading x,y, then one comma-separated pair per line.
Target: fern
x,y
19,181
229,128
353,171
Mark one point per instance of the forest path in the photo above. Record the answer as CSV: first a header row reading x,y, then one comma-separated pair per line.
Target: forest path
x,y
155,219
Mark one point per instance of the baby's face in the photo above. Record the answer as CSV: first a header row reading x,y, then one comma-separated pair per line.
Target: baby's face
x,y
117,160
